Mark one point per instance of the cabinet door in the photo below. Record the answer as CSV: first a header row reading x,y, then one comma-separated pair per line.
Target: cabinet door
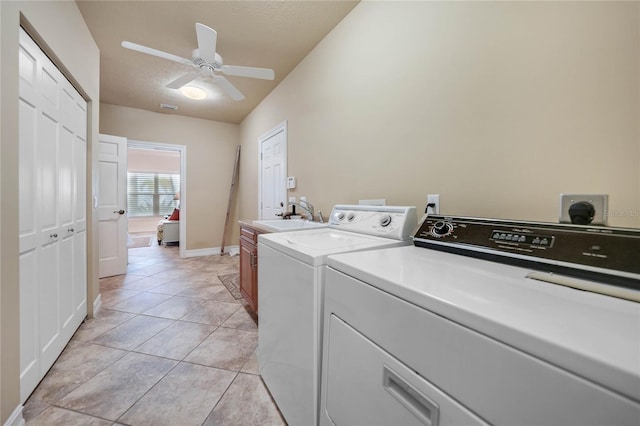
x,y
254,279
247,271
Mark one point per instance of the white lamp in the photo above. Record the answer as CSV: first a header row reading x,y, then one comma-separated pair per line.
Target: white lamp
x,y
193,92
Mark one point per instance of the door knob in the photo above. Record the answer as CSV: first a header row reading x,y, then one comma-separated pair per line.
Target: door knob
x,y
119,211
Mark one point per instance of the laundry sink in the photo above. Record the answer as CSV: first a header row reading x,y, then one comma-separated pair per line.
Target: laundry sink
x,y
279,225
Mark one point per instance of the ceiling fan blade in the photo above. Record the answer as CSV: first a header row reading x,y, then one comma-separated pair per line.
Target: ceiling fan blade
x,y
181,81
207,39
154,52
231,90
263,73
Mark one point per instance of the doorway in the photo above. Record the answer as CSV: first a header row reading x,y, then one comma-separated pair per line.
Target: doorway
x,y
156,182
273,172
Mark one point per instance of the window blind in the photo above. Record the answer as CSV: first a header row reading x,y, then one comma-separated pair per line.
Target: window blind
x,y
151,194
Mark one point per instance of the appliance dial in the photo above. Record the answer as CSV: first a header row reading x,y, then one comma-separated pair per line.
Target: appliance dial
x,y
339,215
351,216
441,229
385,220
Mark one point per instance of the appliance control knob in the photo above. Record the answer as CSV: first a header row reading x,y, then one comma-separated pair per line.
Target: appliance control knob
x,y
441,229
385,220
351,216
339,215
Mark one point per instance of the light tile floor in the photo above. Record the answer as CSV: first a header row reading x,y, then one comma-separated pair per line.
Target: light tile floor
x,y
171,346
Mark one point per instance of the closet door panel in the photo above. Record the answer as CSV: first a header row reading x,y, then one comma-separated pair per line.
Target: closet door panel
x,y
49,299
28,232
49,87
47,147
80,276
27,178
65,283
29,324
66,181
80,182
52,208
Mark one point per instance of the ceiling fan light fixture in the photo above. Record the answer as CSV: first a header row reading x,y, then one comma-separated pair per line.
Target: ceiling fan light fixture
x,y
193,92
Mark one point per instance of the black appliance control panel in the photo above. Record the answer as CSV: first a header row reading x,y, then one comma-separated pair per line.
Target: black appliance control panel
x,y
607,254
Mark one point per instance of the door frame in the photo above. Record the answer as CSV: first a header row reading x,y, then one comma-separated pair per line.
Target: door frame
x,y
182,149
282,127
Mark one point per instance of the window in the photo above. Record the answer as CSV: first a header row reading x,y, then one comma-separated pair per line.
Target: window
x,y
151,194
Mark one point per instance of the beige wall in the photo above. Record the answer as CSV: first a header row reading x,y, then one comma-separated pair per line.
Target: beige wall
x,y
210,155
498,107
60,30
153,161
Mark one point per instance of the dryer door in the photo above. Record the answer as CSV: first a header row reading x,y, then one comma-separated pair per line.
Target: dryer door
x,y
366,385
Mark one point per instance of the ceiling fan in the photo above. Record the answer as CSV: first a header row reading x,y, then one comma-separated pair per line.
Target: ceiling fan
x,y
207,62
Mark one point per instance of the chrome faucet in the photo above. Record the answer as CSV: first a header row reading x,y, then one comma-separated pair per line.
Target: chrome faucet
x,y
307,207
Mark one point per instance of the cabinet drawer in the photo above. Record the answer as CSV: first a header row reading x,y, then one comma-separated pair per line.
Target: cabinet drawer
x,y
249,233
247,242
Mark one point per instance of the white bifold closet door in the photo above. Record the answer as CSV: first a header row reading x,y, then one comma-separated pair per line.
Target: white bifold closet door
x,y
52,182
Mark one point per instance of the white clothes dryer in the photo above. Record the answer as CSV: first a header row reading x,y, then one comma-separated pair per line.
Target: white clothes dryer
x,y
291,273
469,327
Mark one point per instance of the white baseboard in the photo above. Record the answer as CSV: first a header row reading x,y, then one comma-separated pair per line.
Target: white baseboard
x,y
16,419
213,251
97,304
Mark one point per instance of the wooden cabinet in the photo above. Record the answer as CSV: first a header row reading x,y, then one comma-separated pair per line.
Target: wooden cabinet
x,y
249,265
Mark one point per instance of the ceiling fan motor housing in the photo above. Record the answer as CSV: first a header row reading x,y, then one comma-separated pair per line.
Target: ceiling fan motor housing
x,y
199,61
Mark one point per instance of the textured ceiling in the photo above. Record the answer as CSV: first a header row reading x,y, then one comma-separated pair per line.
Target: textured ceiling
x,y
266,34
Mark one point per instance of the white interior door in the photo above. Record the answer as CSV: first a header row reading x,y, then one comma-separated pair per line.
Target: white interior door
x,y
273,172
112,205
52,208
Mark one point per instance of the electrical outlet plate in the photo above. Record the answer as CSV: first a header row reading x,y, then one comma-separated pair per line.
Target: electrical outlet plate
x,y
435,199
599,201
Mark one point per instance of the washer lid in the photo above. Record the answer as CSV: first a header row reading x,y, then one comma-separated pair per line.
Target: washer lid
x,y
313,246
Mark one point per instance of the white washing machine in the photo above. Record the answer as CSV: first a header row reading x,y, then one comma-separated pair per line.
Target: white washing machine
x,y
470,327
291,287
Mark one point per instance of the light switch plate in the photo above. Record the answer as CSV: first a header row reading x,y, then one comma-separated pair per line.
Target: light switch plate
x,y
599,202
